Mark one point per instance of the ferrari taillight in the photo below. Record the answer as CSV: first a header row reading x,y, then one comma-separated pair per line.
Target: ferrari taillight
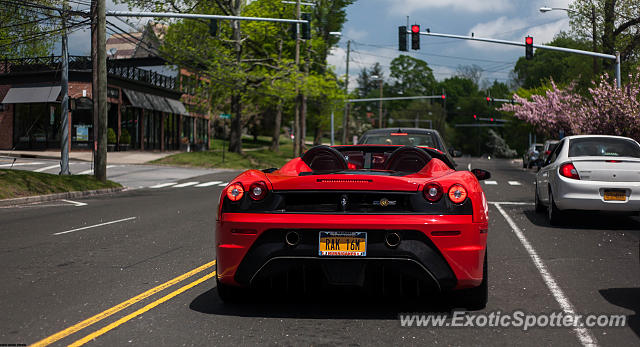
x,y
569,171
258,190
235,192
432,192
457,193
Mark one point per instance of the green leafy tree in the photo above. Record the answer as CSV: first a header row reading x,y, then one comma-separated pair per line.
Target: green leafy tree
x,y
26,30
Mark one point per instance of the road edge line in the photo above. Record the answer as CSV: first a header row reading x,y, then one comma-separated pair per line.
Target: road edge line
x,y
140,311
585,337
121,306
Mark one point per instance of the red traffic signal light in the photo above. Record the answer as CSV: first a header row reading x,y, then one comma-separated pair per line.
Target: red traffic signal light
x,y
492,119
488,99
528,47
415,37
444,96
475,117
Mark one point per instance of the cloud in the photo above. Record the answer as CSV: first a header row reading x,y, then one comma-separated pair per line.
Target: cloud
x,y
473,6
515,29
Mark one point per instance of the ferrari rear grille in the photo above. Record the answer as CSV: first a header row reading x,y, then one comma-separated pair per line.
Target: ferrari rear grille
x,y
343,180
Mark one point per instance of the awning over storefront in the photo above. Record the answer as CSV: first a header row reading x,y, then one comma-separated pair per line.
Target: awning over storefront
x,y
155,102
177,107
32,94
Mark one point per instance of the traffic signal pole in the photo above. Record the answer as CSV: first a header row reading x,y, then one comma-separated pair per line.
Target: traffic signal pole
x,y
615,57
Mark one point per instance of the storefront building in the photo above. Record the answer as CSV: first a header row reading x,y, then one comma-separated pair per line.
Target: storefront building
x,y
145,111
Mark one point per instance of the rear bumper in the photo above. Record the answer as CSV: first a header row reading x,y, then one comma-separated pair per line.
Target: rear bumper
x,y
589,195
251,246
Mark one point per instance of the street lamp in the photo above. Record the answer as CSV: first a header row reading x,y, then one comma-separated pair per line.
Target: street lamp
x,y
380,80
546,9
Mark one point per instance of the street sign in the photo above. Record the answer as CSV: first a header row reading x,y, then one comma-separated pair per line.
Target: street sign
x,y
225,116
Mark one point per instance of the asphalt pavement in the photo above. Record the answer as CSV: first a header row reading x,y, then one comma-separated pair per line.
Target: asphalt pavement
x,y
137,268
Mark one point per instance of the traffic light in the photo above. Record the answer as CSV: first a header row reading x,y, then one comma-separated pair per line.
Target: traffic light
x,y
475,117
415,37
489,100
402,39
528,47
306,27
213,27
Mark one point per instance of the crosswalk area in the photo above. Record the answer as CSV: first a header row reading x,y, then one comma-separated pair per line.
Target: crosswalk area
x,y
194,184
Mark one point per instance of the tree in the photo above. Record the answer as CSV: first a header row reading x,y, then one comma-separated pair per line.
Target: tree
x,y
563,68
411,76
472,72
617,25
606,109
27,31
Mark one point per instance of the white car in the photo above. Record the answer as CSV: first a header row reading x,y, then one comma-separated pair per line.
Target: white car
x,y
590,173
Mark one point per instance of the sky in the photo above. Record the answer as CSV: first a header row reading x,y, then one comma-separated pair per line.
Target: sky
x,y
372,28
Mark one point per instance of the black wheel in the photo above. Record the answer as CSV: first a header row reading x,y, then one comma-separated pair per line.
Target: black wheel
x,y
228,293
553,213
539,206
524,165
476,298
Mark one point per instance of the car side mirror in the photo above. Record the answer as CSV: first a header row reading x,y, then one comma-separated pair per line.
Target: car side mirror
x,y
481,174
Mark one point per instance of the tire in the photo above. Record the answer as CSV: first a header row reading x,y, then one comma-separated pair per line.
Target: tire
x,y
476,298
228,293
539,206
553,213
524,165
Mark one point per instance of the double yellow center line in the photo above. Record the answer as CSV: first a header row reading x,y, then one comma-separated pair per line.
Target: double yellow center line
x,y
104,314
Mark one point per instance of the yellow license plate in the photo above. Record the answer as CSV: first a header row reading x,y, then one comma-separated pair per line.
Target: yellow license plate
x,y
615,195
343,243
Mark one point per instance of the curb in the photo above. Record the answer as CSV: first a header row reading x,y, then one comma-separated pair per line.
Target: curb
x,y
59,196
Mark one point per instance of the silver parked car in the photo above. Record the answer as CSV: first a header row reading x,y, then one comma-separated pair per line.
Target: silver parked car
x,y
590,172
532,155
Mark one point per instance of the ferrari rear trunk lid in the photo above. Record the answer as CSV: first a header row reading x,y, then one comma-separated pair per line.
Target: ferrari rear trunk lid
x,y
373,182
608,169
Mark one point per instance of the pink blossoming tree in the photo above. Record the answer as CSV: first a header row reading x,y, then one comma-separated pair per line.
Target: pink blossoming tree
x,y
606,110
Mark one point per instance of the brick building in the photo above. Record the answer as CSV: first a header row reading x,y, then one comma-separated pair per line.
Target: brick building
x,y
151,106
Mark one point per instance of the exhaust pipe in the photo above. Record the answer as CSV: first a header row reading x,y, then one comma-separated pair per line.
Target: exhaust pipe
x,y
292,238
392,240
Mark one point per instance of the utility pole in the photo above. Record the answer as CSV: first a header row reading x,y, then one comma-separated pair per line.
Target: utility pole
x,y
593,33
296,124
380,104
99,88
345,119
303,110
64,107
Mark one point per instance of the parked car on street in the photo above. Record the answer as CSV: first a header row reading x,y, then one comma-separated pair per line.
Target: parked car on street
x,y
548,147
532,155
590,173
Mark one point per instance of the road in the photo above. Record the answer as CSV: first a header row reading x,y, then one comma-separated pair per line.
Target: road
x,y
143,276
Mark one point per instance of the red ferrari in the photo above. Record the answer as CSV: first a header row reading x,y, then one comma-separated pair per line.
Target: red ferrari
x,y
394,219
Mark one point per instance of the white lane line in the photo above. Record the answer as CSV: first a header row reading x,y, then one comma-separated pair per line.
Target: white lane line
x,y
584,335
491,183
95,226
514,183
182,185
208,184
510,203
21,164
90,171
76,203
162,185
47,168
223,184
469,167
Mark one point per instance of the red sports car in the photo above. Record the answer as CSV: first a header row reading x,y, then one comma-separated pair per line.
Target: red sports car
x,y
396,219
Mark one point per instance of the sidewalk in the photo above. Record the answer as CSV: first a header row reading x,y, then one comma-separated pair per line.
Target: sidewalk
x,y
128,157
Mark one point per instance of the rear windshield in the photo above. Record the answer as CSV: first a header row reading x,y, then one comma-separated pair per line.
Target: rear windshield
x,y
603,146
405,139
